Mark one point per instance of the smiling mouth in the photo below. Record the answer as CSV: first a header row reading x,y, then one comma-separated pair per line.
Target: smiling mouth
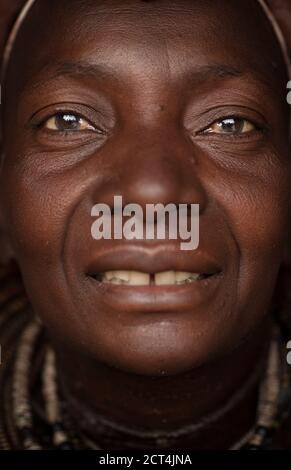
x,y
138,278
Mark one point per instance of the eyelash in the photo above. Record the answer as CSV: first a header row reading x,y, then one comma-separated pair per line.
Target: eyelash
x,y
258,128
41,125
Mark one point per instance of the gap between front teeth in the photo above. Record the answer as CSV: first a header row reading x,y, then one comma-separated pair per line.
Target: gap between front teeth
x,y
137,278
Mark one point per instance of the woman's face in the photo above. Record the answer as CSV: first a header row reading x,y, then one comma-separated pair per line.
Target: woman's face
x,y
182,102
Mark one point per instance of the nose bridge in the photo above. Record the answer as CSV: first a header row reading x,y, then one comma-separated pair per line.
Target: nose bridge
x,y
160,166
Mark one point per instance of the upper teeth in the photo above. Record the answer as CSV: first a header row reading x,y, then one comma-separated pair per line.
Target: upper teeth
x,y
138,278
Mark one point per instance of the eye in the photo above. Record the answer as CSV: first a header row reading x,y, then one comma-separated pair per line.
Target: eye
x,y
231,125
67,122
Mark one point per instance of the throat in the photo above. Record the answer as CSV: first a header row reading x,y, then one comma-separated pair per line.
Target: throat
x,y
206,408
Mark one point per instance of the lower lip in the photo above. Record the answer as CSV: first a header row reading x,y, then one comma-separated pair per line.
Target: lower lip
x,y
158,298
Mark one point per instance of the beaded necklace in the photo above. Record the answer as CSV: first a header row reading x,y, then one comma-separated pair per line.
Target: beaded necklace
x,y
27,351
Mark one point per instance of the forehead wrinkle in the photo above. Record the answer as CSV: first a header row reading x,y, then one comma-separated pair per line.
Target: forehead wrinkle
x,y
151,9
199,7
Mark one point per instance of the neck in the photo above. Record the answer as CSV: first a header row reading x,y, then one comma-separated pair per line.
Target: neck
x,y
208,407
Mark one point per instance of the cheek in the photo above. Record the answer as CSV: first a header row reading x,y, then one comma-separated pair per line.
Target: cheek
x,y
261,228
258,217
39,212
255,211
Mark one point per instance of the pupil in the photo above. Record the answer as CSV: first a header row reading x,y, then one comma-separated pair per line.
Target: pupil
x,y
232,125
67,122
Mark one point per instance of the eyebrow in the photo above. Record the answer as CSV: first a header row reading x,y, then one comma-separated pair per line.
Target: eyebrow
x,y
201,73
219,71
80,68
86,68
68,69
99,71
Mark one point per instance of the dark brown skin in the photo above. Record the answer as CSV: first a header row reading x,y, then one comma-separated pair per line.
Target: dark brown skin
x,y
168,70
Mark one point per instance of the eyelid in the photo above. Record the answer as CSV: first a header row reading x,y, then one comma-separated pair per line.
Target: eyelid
x,y
96,118
197,120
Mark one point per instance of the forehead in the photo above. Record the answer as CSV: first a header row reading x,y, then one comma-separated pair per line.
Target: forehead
x,y
133,38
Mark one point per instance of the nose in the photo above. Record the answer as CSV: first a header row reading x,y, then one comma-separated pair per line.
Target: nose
x,y
156,166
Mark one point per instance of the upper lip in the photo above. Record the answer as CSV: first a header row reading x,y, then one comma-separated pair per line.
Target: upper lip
x,y
153,259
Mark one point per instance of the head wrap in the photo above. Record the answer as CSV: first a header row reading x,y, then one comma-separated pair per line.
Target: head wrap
x,y
279,33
